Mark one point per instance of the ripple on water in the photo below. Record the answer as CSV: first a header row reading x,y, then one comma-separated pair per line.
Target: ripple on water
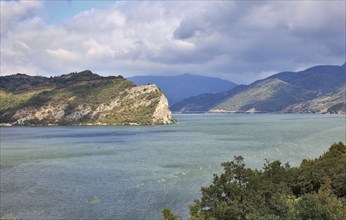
x,y
133,172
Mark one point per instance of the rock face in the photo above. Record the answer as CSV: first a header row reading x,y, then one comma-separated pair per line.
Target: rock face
x,y
82,99
162,114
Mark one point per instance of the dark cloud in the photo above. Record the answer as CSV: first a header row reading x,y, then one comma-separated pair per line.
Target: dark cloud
x,y
237,40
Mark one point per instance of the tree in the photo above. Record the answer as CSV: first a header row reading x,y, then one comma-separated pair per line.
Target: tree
x,y
320,206
242,193
168,215
314,190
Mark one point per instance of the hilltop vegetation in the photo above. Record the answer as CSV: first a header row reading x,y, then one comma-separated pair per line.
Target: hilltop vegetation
x,y
314,190
80,98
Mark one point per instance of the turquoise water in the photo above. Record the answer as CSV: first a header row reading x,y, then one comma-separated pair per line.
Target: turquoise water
x,y
134,172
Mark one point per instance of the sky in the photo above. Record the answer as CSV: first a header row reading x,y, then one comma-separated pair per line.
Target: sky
x,y
240,41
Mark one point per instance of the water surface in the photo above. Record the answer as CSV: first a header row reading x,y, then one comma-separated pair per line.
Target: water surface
x,y
113,172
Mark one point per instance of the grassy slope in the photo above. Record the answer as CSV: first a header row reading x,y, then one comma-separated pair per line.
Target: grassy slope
x,y
8,100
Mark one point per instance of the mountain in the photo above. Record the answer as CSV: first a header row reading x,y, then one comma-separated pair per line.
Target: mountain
x,y
271,95
319,89
177,88
319,78
82,98
203,102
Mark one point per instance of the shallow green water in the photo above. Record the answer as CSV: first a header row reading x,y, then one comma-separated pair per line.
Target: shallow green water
x,y
134,172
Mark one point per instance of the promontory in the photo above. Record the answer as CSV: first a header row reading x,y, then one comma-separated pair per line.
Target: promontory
x,y
82,98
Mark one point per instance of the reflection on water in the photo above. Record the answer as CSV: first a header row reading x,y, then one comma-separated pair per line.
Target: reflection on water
x,y
133,172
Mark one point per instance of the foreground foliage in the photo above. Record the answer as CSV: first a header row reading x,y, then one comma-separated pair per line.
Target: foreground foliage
x,y
314,190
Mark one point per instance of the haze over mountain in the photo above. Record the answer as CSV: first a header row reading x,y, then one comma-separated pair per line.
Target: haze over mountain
x,y
80,98
319,89
177,88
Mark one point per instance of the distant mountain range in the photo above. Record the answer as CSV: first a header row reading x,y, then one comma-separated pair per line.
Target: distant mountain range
x,y
177,88
320,89
82,98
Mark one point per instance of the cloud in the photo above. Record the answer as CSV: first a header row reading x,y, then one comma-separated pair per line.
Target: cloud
x,y
61,54
14,12
237,40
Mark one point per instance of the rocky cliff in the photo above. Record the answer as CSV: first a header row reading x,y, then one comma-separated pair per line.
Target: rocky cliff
x,y
80,99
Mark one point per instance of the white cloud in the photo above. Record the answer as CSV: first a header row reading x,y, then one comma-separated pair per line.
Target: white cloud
x,y
13,12
97,51
240,41
61,54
